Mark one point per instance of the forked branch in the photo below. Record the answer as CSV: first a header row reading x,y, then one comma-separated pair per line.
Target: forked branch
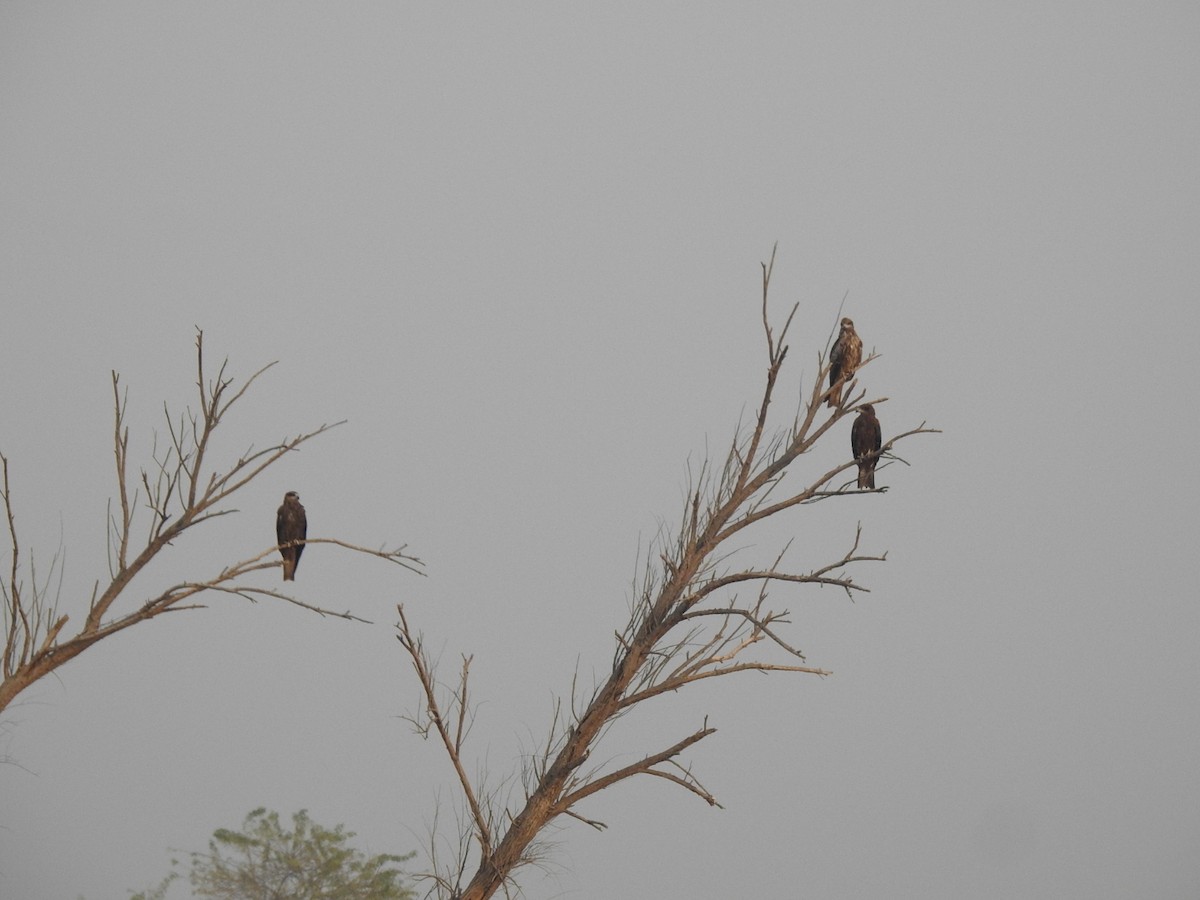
x,y
688,624
179,491
452,743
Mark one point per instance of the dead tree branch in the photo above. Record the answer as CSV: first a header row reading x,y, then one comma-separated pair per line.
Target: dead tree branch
x,y
179,491
453,744
688,624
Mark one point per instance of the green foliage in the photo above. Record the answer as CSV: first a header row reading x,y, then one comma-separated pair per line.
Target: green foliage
x,y
159,891
267,861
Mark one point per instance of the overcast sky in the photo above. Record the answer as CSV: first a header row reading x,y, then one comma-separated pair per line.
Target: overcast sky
x,y
518,249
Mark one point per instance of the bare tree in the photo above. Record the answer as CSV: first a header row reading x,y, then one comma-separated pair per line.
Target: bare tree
x,y
178,491
689,623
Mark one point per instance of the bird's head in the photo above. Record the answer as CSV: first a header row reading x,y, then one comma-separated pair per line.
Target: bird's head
x,y
866,410
291,495
847,324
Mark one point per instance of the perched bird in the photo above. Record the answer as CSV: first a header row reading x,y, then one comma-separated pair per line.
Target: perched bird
x,y
843,361
290,525
865,441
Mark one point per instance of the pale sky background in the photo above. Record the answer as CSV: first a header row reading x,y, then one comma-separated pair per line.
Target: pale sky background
x,y
518,248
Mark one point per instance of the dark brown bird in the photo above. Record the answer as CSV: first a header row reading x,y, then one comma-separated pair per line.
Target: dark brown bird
x,y
865,441
843,361
290,525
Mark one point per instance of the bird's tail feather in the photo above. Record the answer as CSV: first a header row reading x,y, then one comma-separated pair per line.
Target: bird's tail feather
x,y
866,475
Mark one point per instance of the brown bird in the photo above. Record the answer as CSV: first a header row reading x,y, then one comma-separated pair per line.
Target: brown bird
x,y
290,525
843,361
865,441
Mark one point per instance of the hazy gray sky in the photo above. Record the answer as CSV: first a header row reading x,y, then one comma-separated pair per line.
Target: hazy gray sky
x,y
518,248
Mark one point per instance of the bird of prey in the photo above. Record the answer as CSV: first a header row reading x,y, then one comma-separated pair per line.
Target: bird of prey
x,y
290,525
865,440
843,361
